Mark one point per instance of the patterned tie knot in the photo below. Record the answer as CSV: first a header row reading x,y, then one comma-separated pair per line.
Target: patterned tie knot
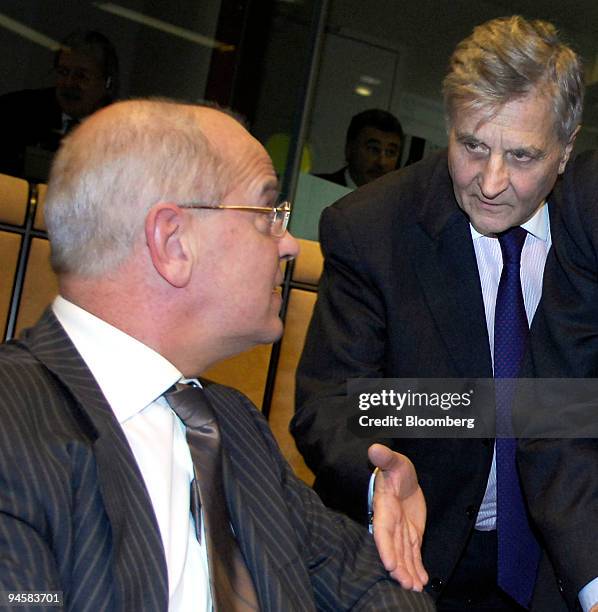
x,y
511,245
190,405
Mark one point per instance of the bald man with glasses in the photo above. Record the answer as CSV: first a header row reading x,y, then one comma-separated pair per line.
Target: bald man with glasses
x,y
125,483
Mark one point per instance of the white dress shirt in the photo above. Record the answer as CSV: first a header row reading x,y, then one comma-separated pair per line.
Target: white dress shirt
x,y
133,378
349,179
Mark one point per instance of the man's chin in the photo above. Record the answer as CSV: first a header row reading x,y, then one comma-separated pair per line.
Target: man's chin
x,y
274,333
73,108
266,334
491,224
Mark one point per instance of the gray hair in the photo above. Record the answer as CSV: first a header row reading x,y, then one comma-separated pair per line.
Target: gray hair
x,y
105,179
507,58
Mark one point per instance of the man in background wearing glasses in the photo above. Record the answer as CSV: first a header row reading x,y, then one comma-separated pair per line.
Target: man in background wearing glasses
x,y
35,120
168,246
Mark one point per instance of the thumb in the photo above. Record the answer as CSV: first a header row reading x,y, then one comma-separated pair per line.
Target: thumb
x,y
382,457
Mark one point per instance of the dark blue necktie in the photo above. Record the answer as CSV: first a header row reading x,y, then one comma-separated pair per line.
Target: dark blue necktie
x,y
518,550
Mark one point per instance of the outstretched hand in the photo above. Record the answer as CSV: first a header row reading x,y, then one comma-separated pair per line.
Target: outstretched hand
x,y
399,517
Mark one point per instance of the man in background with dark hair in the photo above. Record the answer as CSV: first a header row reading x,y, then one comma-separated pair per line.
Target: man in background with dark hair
x,y
86,69
372,149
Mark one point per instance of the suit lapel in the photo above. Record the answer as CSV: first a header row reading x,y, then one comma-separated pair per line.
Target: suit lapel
x,y
257,510
137,547
555,207
443,256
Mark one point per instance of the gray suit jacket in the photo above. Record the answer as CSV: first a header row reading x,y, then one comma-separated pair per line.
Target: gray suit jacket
x,y
75,515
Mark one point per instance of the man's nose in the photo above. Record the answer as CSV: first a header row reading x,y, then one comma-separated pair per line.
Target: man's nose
x,y
66,81
288,247
67,78
389,161
494,177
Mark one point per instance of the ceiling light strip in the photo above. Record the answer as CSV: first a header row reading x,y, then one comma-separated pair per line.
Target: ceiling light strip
x,y
29,33
163,26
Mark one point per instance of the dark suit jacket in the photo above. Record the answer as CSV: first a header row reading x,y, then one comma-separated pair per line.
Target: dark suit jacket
x,y
75,514
400,297
337,177
561,476
31,117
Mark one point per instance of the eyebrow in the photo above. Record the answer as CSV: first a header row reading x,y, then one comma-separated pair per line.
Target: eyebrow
x,y
531,151
379,142
462,136
270,187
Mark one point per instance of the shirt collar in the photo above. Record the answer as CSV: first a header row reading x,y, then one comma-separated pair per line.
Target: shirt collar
x,y
350,182
538,225
130,374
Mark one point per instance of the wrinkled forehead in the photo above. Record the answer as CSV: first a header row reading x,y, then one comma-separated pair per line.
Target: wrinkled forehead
x,y
222,130
371,132
252,173
375,132
237,148
457,109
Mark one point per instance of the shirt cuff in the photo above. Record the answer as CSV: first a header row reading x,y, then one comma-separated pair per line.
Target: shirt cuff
x,y
588,596
371,500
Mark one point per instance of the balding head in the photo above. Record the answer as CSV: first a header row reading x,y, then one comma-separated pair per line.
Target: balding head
x,y
115,167
133,243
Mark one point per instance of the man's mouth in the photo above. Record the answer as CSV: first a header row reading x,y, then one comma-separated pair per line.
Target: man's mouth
x,y
72,95
490,204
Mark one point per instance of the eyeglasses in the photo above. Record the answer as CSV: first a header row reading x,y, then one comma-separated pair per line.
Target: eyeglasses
x,y
278,216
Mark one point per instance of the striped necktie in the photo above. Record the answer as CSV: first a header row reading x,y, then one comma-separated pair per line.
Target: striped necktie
x,y
230,581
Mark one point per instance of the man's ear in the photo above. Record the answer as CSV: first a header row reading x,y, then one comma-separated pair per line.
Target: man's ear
x,y
167,242
568,149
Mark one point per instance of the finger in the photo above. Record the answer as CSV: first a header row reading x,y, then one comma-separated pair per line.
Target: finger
x,y
394,547
402,574
404,578
386,548
408,558
419,573
385,538
410,570
416,548
419,566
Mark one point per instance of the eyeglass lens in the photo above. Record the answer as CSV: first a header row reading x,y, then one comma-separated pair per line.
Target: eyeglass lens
x,y
280,220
